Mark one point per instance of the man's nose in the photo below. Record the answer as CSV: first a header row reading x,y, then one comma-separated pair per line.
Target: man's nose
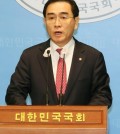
x,y
57,21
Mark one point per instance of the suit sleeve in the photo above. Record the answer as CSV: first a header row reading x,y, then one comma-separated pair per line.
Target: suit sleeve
x,y
19,86
100,91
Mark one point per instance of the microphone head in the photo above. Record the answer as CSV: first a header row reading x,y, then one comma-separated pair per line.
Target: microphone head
x,y
47,52
63,53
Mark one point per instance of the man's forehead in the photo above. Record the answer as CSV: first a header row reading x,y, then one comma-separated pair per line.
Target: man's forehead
x,y
59,6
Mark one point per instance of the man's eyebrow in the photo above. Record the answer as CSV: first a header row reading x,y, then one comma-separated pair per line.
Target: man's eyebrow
x,y
50,13
63,12
59,13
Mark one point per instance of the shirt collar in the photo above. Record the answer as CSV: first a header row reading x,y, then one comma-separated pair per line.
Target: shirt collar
x,y
65,48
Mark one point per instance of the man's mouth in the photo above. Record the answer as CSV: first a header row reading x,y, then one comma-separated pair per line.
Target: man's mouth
x,y
58,33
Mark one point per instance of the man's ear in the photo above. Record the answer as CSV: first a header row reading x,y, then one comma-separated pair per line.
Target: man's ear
x,y
77,19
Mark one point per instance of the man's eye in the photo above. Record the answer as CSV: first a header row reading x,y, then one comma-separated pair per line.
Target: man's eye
x,y
51,18
63,17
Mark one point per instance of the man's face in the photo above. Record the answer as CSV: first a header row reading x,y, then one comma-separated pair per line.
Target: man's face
x,y
60,22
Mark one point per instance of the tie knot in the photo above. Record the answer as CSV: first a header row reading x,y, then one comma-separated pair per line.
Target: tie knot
x,y
59,50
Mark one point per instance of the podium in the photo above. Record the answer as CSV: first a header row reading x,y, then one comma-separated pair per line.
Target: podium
x,y
53,119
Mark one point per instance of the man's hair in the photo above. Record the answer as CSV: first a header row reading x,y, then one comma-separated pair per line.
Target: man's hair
x,y
74,7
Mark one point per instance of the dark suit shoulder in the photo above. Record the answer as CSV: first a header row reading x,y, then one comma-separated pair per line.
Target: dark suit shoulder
x,y
31,52
41,46
87,48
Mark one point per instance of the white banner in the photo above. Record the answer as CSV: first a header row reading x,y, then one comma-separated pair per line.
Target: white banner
x,y
90,10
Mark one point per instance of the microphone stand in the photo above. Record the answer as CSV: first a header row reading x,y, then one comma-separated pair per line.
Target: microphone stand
x,y
61,94
48,62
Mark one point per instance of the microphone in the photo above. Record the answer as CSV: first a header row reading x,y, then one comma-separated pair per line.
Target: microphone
x,y
61,87
47,53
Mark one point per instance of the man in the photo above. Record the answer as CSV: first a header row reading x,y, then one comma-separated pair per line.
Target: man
x,y
86,81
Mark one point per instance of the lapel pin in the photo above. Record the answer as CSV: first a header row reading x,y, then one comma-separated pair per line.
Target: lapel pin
x,y
80,59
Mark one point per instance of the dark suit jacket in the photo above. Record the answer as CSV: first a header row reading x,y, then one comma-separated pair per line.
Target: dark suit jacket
x,y
88,82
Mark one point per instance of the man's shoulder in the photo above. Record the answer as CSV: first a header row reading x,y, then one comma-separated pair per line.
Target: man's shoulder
x,y
32,51
38,46
86,47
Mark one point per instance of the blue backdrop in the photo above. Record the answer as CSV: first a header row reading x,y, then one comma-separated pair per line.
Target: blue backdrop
x,y
20,29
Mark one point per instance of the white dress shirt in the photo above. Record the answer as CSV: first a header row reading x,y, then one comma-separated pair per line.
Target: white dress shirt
x,y
68,49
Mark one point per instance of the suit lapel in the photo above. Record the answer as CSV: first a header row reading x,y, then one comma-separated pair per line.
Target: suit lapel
x,y
77,62
46,65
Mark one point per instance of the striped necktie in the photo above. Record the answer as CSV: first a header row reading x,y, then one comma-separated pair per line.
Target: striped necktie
x,y
61,80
